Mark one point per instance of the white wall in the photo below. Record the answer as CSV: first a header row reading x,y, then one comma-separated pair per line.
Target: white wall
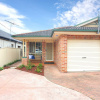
x,y
18,44
8,55
6,43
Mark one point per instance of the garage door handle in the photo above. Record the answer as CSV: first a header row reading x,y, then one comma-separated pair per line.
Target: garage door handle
x,y
83,57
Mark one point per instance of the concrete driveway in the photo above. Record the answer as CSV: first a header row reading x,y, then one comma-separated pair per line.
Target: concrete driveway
x,y
87,83
20,85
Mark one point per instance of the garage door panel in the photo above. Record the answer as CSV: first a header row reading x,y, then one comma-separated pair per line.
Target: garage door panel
x,y
83,63
84,43
79,59
86,49
83,55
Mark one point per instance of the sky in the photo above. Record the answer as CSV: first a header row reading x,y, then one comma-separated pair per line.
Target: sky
x,y
35,15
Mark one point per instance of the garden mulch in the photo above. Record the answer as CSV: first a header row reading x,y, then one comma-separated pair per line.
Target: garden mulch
x,y
32,70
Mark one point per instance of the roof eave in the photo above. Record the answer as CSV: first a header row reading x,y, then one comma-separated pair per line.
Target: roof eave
x,y
86,21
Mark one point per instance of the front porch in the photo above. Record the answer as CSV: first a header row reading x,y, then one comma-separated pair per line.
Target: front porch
x,y
38,51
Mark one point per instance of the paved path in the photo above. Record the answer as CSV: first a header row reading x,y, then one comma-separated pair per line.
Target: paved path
x,y
20,85
15,64
87,83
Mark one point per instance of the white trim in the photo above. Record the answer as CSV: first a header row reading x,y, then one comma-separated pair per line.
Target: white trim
x,y
52,52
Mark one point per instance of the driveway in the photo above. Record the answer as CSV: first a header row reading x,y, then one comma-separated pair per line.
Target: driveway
x,y
87,83
20,85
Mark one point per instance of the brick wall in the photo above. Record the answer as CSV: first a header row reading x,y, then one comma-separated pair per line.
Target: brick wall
x,y
27,50
60,49
60,58
43,52
24,61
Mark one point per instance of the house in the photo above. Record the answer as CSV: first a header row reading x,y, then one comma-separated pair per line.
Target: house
x,y
73,48
7,41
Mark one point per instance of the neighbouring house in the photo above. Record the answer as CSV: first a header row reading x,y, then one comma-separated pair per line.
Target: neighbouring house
x,y
10,48
7,41
73,48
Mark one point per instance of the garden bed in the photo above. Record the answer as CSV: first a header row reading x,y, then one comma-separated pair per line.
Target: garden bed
x,y
2,68
6,67
32,70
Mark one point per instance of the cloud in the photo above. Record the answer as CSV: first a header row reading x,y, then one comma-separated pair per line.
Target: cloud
x,y
64,4
10,14
81,11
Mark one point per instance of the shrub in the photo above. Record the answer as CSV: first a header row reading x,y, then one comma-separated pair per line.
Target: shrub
x,y
21,66
40,66
1,68
4,65
33,65
38,69
29,63
28,67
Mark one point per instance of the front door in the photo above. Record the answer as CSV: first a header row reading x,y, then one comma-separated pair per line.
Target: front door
x,y
49,51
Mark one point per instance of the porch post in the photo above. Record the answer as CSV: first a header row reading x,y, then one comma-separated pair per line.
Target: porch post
x,y
27,50
23,48
24,58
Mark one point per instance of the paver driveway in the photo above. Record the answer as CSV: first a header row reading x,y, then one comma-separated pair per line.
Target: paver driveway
x,y
20,85
87,83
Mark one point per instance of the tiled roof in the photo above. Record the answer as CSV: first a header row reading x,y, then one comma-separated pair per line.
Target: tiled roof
x,y
44,33
7,36
49,33
71,28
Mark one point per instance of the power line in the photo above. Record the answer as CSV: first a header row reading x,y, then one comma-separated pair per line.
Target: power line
x,y
11,23
6,27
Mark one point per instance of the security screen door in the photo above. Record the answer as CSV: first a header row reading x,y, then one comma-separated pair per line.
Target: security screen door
x,y
49,51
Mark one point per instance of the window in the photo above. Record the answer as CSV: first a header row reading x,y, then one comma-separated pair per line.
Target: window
x,y
19,46
12,45
35,49
32,47
38,47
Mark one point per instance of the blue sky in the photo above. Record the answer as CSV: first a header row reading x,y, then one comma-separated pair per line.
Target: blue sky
x,y
34,15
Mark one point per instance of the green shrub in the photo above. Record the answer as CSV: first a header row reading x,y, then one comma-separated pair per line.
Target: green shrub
x,y
4,65
38,69
33,65
29,63
21,66
1,68
28,67
40,66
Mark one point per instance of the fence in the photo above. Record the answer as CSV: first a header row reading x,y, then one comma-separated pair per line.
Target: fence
x,y
8,55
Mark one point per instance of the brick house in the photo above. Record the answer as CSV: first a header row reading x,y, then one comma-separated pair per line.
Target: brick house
x,y
73,48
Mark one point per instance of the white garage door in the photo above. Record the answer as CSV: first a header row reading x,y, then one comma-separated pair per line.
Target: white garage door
x,y
83,55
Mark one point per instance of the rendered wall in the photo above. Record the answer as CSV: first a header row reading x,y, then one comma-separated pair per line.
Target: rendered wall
x,y
8,55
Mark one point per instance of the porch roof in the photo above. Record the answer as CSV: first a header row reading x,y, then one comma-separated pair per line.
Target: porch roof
x,y
49,33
